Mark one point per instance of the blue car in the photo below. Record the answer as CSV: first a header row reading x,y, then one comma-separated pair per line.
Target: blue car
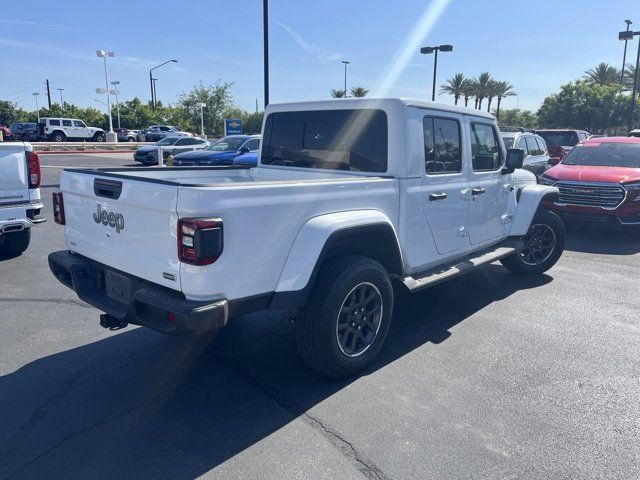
x,y
249,158
220,152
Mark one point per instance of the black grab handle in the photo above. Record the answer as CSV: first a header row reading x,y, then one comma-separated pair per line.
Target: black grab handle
x,y
107,188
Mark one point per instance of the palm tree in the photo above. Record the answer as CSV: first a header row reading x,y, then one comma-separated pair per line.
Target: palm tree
x,y
359,92
492,91
454,86
338,93
503,89
467,91
481,85
629,74
603,74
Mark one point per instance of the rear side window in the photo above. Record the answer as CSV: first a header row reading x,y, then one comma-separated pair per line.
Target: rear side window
x,y
541,146
66,123
354,140
55,123
442,152
533,146
486,154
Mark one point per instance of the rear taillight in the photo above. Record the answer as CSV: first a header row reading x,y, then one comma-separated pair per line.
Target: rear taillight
x,y
199,240
33,167
58,208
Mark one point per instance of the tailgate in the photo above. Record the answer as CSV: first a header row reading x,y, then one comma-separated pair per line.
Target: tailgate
x,y
125,223
14,185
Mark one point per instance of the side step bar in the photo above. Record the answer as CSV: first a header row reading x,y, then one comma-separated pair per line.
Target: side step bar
x,y
461,266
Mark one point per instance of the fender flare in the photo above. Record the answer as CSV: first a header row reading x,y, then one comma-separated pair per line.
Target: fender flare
x,y
529,198
314,242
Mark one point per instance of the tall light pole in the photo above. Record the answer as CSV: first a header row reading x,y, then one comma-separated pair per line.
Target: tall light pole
x,y
115,84
628,35
35,95
151,85
202,105
155,92
435,49
61,101
110,136
265,47
624,55
345,77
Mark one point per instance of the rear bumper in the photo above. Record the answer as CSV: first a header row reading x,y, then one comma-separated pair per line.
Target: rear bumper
x,y
133,300
18,216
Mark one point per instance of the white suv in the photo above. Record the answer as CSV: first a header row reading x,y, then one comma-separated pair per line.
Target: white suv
x,y
64,129
536,154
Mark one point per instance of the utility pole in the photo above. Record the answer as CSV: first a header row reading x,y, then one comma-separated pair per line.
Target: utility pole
x,y
115,84
624,55
345,77
256,105
265,46
61,101
35,95
48,93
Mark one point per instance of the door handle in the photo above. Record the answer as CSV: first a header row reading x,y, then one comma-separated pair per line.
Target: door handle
x,y
437,196
478,191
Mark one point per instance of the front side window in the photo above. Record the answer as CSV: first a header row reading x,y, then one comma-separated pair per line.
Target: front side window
x,y
66,123
183,141
542,147
353,140
226,144
442,153
78,123
252,144
486,154
522,145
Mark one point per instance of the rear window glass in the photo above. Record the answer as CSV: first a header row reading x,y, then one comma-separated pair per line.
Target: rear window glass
x,y
564,139
354,140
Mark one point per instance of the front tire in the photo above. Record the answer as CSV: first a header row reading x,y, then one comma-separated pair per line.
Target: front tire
x,y
345,322
15,243
544,243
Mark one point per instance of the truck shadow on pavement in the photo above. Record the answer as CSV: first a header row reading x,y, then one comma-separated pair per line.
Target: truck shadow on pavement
x,y
141,405
604,240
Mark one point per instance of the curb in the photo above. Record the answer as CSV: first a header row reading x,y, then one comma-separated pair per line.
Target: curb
x,y
46,152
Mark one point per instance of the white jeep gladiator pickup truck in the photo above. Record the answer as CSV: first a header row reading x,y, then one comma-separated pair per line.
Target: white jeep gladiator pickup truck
x,y
20,203
350,201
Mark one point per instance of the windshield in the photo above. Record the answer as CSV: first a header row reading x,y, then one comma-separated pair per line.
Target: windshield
x,y
565,139
508,142
606,154
226,144
167,141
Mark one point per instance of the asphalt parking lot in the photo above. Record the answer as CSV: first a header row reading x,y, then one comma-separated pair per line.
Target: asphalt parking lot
x,y
488,376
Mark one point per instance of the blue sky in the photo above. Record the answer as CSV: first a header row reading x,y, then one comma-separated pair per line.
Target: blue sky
x,y
537,46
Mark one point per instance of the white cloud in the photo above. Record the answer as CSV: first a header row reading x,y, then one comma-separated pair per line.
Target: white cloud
x,y
319,52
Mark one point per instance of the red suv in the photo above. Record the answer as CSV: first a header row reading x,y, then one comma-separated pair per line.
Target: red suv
x,y
598,180
560,142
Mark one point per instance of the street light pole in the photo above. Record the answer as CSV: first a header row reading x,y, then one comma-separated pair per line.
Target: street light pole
x,y
115,83
628,35
111,136
202,105
35,95
151,84
265,46
435,50
155,92
345,77
624,55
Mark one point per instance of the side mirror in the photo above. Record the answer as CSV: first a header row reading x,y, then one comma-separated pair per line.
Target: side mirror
x,y
244,149
553,161
515,159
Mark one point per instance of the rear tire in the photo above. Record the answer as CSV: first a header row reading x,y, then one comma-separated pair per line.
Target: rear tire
x,y
544,243
15,243
58,137
345,322
98,137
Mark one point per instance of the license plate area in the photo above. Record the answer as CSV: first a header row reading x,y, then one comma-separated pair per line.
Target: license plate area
x,y
117,286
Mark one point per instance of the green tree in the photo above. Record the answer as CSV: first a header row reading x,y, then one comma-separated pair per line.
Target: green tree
x,y
359,92
338,93
253,123
603,74
467,90
629,75
219,104
519,118
454,86
502,89
481,85
492,92
586,105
